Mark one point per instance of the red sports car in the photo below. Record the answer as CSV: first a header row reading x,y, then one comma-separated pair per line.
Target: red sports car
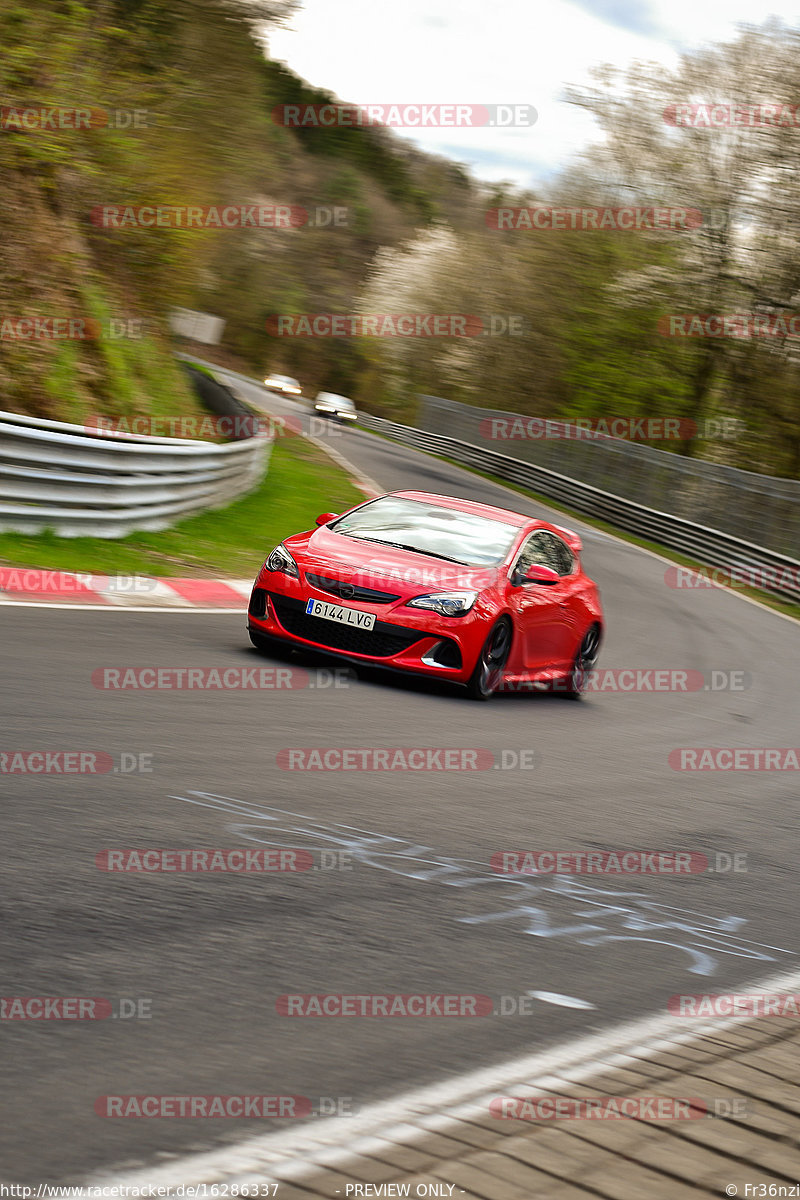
x,y
440,586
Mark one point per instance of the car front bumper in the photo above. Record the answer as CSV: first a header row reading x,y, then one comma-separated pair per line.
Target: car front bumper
x,y
424,642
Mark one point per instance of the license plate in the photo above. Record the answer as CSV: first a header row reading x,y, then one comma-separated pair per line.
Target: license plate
x,y
343,616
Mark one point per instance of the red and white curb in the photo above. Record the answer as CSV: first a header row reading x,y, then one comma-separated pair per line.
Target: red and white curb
x,y
23,585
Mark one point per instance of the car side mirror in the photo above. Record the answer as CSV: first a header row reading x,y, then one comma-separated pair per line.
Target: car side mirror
x,y
542,575
323,518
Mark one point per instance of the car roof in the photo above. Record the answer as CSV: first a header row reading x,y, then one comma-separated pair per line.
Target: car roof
x,y
471,506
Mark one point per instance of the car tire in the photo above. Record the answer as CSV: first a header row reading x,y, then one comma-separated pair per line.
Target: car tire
x,y
488,673
267,645
577,682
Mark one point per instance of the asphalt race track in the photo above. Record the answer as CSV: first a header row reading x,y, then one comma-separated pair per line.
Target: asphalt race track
x,y
213,952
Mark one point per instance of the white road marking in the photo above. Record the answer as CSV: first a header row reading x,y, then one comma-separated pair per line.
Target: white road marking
x,y
297,1153
562,1001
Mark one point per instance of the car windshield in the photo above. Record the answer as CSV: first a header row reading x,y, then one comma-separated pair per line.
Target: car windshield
x,y
432,529
332,398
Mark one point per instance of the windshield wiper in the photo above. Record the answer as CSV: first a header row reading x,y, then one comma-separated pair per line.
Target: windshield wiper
x,y
413,549
431,554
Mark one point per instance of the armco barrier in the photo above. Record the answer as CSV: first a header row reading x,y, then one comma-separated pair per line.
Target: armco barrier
x,y
711,546
76,482
762,509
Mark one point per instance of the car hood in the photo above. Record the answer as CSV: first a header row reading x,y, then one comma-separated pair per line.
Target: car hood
x,y
404,573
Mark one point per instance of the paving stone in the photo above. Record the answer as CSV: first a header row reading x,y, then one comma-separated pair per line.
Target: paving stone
x,y
619,1082
490,1159
777,1157
560,1154
478,1183
693,1163
775,1059
370,1170
665,1063
750,1081
772,1122
683,1052
323,1183
483,1134
735,1039
619,1136
516,1172
652,1070
405,1158
633,1181
291,1191
440,1146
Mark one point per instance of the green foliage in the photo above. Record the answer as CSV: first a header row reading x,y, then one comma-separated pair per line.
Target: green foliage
x,y
415,238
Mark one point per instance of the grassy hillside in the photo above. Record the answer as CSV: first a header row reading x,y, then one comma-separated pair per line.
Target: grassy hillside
x,y
204,93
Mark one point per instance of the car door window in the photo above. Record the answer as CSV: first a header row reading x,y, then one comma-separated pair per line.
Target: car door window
x,y
545,550
535,552
563,555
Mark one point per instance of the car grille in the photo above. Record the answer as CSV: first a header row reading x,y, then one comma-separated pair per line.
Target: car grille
x,y
383,641
349,591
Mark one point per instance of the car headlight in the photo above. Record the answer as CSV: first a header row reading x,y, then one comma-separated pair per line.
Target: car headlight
x,y
448,604
281,560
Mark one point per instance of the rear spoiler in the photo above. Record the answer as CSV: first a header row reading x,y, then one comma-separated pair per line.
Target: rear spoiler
x,y
570,537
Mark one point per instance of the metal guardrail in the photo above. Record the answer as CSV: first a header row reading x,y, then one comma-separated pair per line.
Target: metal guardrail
x,y
77,482
715,547
761,509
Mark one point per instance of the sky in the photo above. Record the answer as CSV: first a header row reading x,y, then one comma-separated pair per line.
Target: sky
x,y
499,52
